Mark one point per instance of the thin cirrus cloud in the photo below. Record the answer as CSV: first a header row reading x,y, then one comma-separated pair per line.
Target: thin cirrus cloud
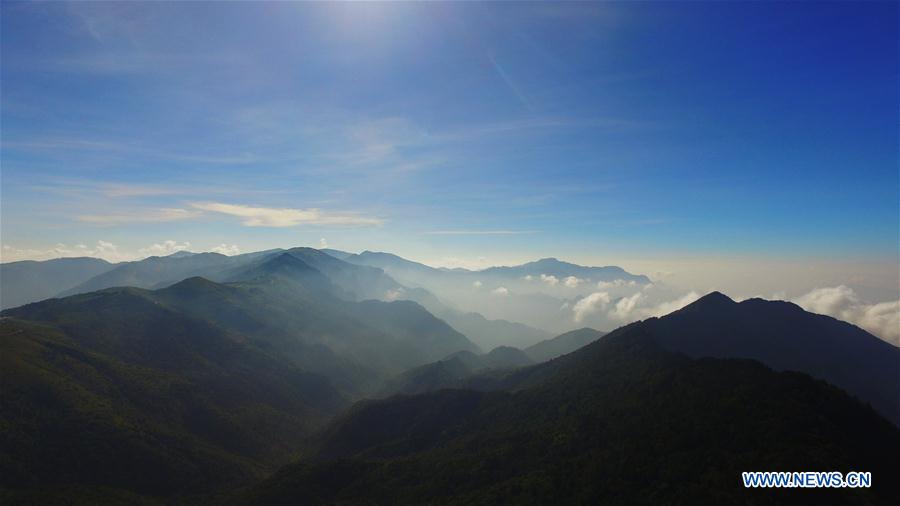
x,y
140,216
481,232
286,217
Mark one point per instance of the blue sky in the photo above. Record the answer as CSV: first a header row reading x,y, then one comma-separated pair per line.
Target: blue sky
x,y
464,133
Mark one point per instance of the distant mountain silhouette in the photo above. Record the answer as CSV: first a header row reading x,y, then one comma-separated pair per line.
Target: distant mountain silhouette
x,y
621,420
451,371
407,270
562,344
560,269
503,357
30,281
533,294
157,272
488,334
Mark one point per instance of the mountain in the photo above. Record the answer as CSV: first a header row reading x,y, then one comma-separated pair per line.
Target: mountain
x,y
30,281
785,337
505,357
622,420
157,272
560,269
360,281
486,333
288,307
336,253
196,387
325,333
118,390
489,334
562,344
406,271
779,334
412,324
414,273
447,373
530,294
451,371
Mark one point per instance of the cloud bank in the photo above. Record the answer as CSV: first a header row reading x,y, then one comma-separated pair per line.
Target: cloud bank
x,y
593,303
634,307
841,302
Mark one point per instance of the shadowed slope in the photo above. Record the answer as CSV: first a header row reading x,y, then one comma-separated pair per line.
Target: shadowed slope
x,y
620,421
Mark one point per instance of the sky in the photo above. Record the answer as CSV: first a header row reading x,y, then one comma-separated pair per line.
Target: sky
x,y
750,147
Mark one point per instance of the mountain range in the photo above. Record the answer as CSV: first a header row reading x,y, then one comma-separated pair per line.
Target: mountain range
x,y
532,293
622,420
31,281
295,376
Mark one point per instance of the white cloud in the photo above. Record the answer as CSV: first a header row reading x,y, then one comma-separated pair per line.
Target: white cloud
x,y
285,217
528,277
634,307
672,305
882,319
477,284
625,306
500,291
392,295
839,301
550,280
323,243
472,264
225,249
164,248
572,281
618,283
593,303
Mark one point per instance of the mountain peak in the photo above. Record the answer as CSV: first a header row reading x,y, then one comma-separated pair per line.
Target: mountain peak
x,y
192,285
713,299
285,260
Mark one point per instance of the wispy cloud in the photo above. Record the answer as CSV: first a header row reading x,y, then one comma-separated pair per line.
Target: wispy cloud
x,y
286,217
481,232
115,149
92,189
226,249
165,248
140,216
